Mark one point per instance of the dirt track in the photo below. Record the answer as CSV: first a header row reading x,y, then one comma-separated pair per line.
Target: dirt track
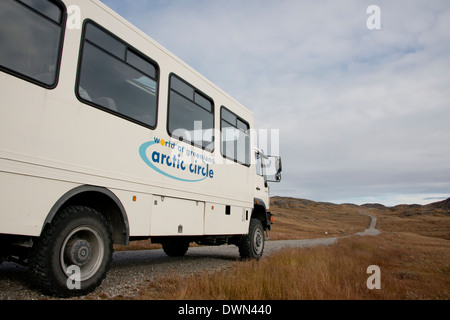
x,y
132,270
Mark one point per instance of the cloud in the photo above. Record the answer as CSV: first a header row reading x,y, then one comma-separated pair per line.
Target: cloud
x,y
360,112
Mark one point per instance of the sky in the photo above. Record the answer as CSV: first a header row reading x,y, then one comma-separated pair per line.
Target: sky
x,y
363,113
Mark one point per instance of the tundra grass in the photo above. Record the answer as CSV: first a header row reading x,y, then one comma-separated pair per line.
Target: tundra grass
x,y
411,267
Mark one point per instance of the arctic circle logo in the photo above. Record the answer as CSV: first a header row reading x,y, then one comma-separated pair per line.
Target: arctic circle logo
x,y
175,164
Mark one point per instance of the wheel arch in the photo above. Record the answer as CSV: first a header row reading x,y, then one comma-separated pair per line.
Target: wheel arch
x,y
101,199
260,212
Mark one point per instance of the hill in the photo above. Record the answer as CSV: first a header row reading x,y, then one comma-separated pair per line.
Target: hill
x,y
300,218
441,207
432,220
305,219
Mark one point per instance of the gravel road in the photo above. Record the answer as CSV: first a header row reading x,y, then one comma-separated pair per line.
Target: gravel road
x,y
133,270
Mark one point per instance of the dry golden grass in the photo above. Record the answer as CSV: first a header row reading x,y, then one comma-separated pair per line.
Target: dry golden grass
x,y
413,253
412,267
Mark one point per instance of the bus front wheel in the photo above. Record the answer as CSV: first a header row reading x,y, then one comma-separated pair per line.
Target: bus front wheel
x,y
251,246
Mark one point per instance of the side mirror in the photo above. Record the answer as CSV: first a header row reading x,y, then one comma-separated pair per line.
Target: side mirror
x,y
278,165
275,175
278,177
279,169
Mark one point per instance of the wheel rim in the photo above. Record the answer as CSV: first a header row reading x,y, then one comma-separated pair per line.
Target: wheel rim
x,y
83,247
258,241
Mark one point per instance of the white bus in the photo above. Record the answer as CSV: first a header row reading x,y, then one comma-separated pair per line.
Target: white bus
x,y
106,138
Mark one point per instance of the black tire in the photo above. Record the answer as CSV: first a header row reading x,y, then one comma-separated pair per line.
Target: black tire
x,y
251,246
175,247
78,237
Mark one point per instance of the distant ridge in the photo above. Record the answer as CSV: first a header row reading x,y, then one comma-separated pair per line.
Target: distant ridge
x,y
374,206
445,204
440,207
296,203
432,208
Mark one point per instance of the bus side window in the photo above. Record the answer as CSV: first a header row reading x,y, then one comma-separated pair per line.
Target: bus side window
x,y
116,78
191,114
235,137
31,39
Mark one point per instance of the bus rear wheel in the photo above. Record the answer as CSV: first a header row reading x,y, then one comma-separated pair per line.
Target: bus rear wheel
x,y
175,247
73,254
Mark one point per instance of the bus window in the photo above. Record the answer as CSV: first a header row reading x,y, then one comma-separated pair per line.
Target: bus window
x,y
191,115
116,78
235,138
31,39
